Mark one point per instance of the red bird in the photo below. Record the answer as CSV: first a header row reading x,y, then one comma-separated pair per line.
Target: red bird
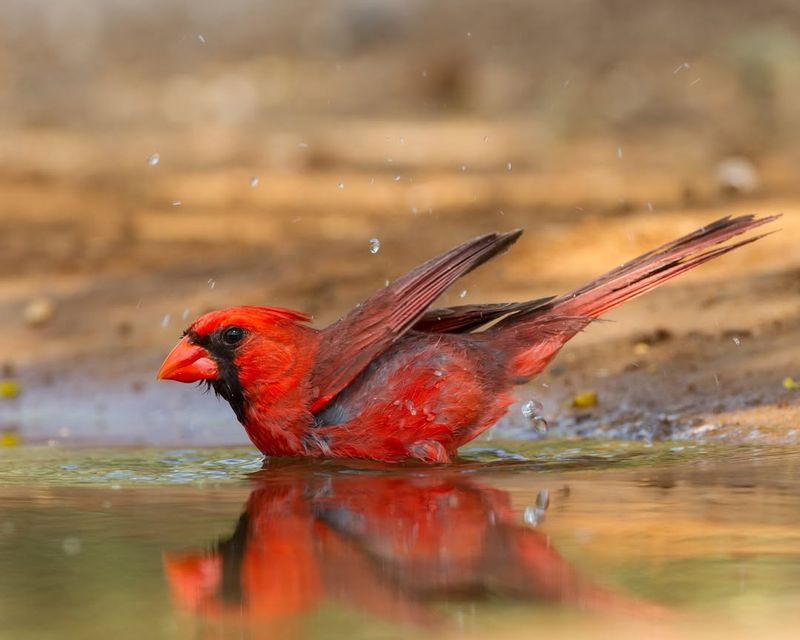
x,y
393,381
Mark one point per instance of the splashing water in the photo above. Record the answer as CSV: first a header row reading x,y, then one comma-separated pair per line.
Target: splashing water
x,y
532,410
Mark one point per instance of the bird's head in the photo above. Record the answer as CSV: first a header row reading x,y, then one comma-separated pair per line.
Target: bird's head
x,y
237,349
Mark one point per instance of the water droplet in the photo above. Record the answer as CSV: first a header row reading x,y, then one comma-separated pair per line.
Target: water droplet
x,y
530,408
619,153
463,167
397,178
185,313
650,206
543,499
534,514
424,73
254,182
469,34
154,159
532,411
486,138
71,546
201,38
212,283
508,166
374,245
736,340
165,320
680,67
463,294
303,145
402,140
531,516
340,185
177,203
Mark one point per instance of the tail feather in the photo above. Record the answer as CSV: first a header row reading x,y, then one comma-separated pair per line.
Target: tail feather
x,y
535,337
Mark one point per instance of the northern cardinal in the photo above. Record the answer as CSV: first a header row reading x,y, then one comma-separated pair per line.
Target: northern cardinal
x,y
392,380
391,545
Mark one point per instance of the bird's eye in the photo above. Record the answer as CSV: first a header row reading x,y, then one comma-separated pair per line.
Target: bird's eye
x,y
233,335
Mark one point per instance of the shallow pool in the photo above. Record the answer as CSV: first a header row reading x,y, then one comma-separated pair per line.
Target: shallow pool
x,y
565,538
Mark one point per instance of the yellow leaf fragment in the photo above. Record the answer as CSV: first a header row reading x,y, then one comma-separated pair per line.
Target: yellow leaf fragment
x,y
9,388
10,439
584,400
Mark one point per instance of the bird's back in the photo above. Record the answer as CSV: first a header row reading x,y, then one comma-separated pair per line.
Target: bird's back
x,y
423,398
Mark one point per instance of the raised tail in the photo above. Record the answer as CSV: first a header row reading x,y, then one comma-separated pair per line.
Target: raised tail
x,y
533,338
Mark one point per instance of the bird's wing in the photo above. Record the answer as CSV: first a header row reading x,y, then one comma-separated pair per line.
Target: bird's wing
x,y
468,317
349,345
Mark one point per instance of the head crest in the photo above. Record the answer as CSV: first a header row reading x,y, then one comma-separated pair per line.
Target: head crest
x,y
247,316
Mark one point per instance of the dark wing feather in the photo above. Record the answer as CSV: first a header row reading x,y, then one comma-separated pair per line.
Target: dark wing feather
x,y
469,317
349,345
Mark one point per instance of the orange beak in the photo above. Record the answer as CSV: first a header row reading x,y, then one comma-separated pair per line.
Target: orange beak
x,y
188,363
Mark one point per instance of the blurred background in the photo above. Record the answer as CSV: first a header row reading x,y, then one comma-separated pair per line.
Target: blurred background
x,y
159,158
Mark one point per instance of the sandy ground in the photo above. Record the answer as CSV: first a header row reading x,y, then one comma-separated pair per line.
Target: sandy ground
x,y
125,268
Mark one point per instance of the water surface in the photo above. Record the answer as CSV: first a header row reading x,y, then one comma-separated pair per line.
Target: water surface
x,y
564,538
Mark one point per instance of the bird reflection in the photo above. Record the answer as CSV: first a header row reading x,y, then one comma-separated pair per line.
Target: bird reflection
x,y
395,545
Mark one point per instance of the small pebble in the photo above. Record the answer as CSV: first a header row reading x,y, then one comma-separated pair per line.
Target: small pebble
x,y
641,348
39,311
737,175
